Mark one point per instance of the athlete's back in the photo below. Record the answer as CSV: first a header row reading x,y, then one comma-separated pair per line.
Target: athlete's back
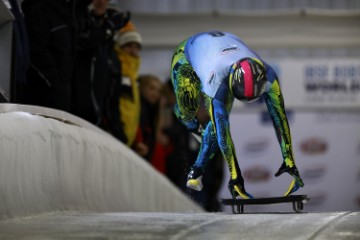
x,y
211,54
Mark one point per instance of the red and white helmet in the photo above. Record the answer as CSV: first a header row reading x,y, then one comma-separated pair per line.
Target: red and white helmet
x,y
247,79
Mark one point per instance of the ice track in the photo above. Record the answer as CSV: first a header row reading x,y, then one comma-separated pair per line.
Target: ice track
x,y
53,161
181,226
63,178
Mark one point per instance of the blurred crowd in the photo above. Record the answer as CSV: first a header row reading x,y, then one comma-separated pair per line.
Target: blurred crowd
x,y
83,57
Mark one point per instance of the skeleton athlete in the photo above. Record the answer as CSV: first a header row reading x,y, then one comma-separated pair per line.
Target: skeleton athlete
x,y
221,67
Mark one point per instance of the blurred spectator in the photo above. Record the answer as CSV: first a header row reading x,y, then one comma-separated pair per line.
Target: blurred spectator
x,y
97,83
128,47
55,29
150,89
163,145
184,146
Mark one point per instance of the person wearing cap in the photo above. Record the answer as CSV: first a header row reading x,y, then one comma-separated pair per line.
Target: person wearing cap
x,y
221,67
96,87
128,44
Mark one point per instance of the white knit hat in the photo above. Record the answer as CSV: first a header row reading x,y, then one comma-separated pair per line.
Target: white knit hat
x,y
128,34
123,38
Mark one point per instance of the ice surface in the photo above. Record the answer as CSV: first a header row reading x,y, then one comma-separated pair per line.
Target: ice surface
x,y
183,226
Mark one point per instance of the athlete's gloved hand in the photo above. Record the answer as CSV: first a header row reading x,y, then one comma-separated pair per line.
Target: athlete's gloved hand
x,y
296,183
117,20
199,130
237,188
192,125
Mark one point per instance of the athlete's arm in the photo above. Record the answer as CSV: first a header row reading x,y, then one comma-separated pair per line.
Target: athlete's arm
x,y
275,104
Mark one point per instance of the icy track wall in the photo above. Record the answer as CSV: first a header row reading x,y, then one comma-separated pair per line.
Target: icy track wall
x,y
48,165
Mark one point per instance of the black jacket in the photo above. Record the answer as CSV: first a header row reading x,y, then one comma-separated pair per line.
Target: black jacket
x,y
56,30
98,79
51,28
65,48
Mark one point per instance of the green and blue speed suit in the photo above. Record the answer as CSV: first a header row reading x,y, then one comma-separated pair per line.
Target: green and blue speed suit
x,y
201,65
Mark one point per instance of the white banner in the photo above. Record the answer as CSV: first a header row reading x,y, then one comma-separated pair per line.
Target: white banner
x,y
321,83
326,147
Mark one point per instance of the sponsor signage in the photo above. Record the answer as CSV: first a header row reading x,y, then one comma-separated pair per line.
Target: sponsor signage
x,y
314,172
256,145
257,174
321,83
313,146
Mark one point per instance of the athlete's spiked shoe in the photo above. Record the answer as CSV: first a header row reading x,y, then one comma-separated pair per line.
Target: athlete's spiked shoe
x,y
194,179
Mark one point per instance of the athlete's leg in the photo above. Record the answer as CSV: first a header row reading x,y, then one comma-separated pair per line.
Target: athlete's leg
x,y
187,91
219,109
208,147
207,150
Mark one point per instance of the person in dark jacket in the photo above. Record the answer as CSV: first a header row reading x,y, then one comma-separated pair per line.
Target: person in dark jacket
x,y
55,28
97,84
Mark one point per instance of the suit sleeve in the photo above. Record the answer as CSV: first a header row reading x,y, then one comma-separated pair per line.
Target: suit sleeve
x,y
275,103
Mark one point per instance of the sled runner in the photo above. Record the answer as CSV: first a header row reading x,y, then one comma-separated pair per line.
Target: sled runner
x,y
237,205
